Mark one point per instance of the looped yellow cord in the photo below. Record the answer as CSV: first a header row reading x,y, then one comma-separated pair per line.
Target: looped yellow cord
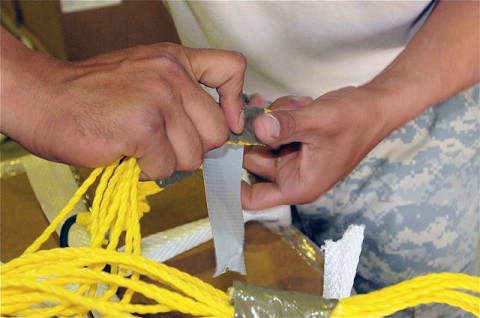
x,y
72,281
39,283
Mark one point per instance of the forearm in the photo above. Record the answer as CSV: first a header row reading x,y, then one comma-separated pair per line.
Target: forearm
x,y
22,85
441,60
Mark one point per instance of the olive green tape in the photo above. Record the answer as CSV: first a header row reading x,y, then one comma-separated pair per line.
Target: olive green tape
x,y
252,301
247,137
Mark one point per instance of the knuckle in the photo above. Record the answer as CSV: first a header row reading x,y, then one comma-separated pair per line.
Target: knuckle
x,y
147,125
171,65
217,138
288,124
167,166
331,120
162,61
222,135
165,93
162,169
167,170
155,125
157,94
239,60
192,164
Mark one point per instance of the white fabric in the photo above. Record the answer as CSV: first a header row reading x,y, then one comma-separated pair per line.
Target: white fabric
x,y
165,245
54,184
301,47
341,261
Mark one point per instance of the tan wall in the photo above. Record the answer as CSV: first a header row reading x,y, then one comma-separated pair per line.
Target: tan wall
x,y
91,32
83,34
37,20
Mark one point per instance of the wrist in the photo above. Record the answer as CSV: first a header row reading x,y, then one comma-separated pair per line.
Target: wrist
x,y
377,118
397,101
24,89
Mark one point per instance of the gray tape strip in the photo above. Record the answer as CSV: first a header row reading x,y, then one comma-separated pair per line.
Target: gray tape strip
x,y
222,171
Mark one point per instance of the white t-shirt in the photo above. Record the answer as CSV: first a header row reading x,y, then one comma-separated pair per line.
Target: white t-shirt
x,y
302,47
417,191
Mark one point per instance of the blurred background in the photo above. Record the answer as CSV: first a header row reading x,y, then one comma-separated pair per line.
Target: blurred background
x,y
78,29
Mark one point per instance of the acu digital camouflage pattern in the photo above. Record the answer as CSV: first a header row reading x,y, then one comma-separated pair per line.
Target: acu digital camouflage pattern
x,y
418,195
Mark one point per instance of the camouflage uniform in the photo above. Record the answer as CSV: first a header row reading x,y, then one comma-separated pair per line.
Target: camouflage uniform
x,y
417,193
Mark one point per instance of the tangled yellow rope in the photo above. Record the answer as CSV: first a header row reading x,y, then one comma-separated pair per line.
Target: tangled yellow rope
x,y
72,281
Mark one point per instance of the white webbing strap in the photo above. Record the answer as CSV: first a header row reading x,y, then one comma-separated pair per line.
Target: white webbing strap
x,y
54,184
341,261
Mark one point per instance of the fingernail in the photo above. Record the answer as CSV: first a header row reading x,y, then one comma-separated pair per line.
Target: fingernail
x,y
241,120
271,125
301,99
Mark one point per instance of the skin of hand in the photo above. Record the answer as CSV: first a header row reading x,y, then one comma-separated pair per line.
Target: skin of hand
x,y
316,143
144,102
312,144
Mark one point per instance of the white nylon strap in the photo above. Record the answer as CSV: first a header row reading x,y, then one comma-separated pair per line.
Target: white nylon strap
x,y
341,261
54,184
222,172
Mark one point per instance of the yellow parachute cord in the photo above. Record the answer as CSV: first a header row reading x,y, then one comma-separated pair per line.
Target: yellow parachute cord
x,y
73,281
432,288
68,281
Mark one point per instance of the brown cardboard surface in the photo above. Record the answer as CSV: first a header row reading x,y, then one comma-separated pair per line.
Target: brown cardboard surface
x,y
270,260
38,21
22,220
91,32
44,20
83,34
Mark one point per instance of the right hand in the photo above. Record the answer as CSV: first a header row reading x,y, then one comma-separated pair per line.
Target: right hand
x,y
144,102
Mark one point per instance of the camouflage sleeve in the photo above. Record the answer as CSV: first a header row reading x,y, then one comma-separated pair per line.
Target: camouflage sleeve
x,y
417,193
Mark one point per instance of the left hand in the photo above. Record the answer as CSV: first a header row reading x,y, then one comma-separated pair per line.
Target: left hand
x,y
312,145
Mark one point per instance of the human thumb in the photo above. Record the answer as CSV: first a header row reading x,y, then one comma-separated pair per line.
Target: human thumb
x,y
277,128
